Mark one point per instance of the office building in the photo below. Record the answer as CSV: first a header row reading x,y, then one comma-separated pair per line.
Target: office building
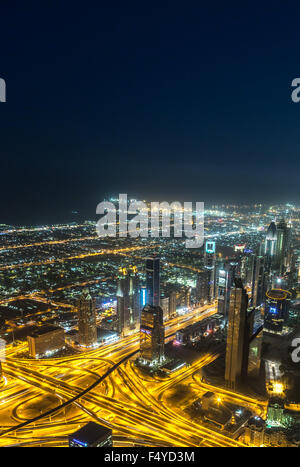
x,y
226,275
203,287
128,301
255,432
165,305
87,330
258,282
91,435
236,335
46,341
172,304
271,241
254,355
153,280
152,335
210,268
276,310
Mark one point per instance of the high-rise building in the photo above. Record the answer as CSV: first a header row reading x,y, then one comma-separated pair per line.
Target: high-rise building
x,y
258,283
165,305
153,280
276,310
271,240
87,329
255,431
128,301
210,267
254,356
91,435
143,297
236,334
225,279
203,286
283,245
152,335
45,341
172,304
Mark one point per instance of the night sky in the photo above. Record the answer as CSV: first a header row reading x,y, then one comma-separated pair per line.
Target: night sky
x,y
160,100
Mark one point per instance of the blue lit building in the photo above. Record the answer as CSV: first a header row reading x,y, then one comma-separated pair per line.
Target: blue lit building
x,y
91,435
153,281
276,310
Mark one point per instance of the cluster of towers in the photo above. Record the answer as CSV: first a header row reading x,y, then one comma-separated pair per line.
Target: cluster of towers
x,y
138,308
252,282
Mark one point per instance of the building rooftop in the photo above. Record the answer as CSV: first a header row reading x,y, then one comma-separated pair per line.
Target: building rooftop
x,y
44,330
90,433
277,294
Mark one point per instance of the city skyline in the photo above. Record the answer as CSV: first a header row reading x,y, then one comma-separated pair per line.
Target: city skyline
x,y
149,228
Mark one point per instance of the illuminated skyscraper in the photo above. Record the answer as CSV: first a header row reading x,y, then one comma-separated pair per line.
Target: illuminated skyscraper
x,y
276,310
172,304
203,286
258,282
225,280
270,241
236,335
210,267
153,280
87,329
152,335
283,245
128,298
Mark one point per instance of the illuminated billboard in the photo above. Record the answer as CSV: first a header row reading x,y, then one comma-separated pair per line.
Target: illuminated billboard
x,y
210,247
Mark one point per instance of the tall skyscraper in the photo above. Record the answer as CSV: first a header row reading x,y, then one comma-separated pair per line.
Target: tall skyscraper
x,y
225,279
128,301
283,245
270,249
87,329
210,267
276,310
203,286
165,305
153,280
152,335
172,304
271,240
258,283
236,334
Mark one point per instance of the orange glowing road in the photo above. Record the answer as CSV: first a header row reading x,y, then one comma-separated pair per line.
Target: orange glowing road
x,y
75,257
132,407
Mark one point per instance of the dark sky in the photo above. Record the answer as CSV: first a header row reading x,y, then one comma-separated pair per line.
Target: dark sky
x,y
164,100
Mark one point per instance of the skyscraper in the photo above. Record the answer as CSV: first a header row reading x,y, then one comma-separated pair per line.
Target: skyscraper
x,y
152,335
225,280
276,310
153,280
270,245
172,304
203,286
210,267
258,282
236,334
128,301
283,245
87,329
